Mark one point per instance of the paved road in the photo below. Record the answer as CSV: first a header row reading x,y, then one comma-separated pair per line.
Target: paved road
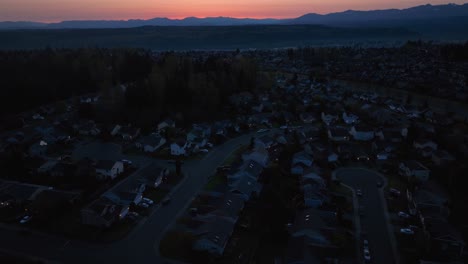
x,y
374,220
141,246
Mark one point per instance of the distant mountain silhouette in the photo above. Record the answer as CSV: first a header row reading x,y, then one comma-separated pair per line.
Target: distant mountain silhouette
x,y
351,17
388,17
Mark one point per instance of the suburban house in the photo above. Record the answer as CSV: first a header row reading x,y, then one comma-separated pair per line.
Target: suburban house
x,y
392,135
314,179
443,237
425,147
179,147
307,118
38,149
150,143
168,123
103,213
50,203
328,118
309,221
299,161
258,155
264,142
88,128
414,169
424,143
338,134
106,169
213,236
249,168
442,157
19,193
246,187
362,133
156,178
350,119
197,137
129,133
47,166
231,206
127,192
312,196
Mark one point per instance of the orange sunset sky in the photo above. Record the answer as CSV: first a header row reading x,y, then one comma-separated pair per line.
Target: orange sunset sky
x,y
58,10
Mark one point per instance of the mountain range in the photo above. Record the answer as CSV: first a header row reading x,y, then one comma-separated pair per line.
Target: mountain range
x,y
432,14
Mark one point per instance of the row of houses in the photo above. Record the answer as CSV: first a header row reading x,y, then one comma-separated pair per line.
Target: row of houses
x,y
114,204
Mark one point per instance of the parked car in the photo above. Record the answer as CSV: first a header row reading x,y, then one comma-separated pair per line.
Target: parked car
x,y
367,256
403,215
224,168
395,192
127,162
358,192
365,242
193,211
148,201
25,219
143,205
133,216
407,231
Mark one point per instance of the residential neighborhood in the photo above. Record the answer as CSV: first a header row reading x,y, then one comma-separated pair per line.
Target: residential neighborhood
x,y
310,170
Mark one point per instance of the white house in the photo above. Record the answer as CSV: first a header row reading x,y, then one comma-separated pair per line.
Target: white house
x,y
414,169
156,178
109,169
302,158
179,147
150,143
350,119
332,157
214,236
442,157
362,133
264,142
338,134
260,156
312,176
103,213
166,124
38,149
328,118
425,143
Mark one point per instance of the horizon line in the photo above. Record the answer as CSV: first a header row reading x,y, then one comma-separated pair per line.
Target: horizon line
x,y
206,17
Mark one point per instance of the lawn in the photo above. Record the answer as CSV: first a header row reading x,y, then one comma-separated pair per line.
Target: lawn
x,y
156,194
341,189
214,181
395,181
235,155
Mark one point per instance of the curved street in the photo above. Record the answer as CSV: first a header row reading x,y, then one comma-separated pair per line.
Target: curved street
x,y
142,244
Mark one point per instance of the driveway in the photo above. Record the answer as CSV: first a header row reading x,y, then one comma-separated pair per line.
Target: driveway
x,y
374,222
142,245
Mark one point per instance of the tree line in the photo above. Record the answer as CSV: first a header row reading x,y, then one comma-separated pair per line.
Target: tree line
x,y
135,85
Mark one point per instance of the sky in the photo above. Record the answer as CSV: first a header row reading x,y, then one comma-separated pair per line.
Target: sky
x,y
59,10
